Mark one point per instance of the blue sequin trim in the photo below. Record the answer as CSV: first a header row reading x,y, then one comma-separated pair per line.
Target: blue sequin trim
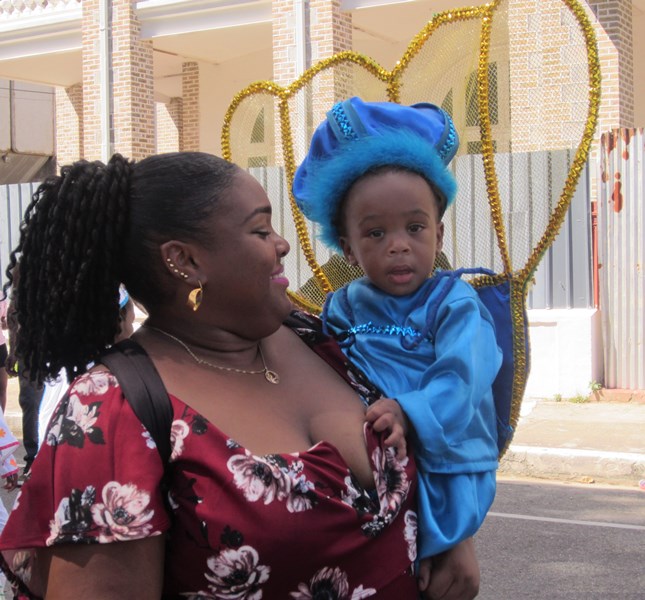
x,y
448,146
338,112
369,327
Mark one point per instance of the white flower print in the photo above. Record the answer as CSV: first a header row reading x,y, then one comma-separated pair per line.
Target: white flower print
x,y
236,574
361,592
391,480
392,488
73,517
356,497
145,434
352,493
84,417
124,513
61,517
330,584
258,478
94,382
410,533
73,422
302,495
326,583
178,433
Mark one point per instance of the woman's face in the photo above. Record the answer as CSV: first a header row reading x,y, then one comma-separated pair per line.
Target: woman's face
x,y
245,285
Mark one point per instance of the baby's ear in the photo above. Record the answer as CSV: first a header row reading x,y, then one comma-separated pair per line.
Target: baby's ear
x,y
347,251
440,231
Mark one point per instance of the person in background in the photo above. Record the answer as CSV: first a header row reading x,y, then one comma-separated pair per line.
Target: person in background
x,y
276,487
29,395
376,180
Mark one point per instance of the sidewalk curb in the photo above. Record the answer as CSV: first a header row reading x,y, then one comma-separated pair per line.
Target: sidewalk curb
x,y
574,464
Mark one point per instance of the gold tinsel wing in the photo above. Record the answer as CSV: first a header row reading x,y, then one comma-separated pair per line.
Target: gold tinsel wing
x,y
522,83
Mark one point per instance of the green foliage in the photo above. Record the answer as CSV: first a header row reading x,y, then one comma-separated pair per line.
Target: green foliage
x,y
595,386
579,399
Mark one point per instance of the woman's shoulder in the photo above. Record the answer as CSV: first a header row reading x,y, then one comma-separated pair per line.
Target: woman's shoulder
x,y
98,381
301,320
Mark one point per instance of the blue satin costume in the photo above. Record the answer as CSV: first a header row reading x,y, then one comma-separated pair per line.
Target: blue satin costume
x,y
441,373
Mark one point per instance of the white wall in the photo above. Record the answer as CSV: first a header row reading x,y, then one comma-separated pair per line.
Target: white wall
x,y
566,352
218,84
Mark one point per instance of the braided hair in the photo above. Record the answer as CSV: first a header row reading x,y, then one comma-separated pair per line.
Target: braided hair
x,y
88,230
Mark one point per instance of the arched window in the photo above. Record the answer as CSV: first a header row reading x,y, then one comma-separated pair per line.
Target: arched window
x,y
258,137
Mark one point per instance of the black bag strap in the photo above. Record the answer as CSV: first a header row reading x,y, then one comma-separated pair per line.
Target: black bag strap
x,y
143,389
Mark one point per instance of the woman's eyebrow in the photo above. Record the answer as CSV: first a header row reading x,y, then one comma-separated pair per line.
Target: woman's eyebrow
x,y
261,210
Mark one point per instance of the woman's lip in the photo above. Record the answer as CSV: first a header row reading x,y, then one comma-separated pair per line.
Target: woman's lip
x,y
280,278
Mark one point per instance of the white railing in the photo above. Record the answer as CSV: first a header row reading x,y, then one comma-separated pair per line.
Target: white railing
x,y
12,9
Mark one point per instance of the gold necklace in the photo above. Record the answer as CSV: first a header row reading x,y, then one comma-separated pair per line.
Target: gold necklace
x,y
270,375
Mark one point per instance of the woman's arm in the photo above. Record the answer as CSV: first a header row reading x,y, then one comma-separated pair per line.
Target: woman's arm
x,y
104,571
451,575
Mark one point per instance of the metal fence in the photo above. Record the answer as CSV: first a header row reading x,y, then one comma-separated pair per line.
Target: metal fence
x,y
14,200
621,253
563,279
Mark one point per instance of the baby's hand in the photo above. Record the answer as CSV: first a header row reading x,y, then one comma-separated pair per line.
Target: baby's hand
x,y
386,415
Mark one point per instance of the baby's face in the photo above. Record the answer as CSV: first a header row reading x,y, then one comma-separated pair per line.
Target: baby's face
x,y
392,230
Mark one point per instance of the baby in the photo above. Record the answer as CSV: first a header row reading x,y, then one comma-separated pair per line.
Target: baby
x,y
376,180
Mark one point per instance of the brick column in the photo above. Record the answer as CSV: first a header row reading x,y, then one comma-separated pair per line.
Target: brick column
x,y
169,125
544,115
328,30
132,112
615,45
133,84
91,149
331,32
189,139
69,124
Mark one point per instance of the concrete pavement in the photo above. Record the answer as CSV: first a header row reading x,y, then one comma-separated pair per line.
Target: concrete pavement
x,y
593,442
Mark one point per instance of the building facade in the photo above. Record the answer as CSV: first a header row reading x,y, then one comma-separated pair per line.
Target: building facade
x,y
147,76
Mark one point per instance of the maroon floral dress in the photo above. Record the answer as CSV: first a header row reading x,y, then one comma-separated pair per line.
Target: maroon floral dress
x,y
238,526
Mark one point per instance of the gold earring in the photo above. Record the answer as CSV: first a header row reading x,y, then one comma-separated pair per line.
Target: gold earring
x,y
195,296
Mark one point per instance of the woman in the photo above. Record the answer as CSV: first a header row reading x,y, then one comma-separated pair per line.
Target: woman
x,y
276,488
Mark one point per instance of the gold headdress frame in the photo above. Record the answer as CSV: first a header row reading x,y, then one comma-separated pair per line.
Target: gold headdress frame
x,y
393,81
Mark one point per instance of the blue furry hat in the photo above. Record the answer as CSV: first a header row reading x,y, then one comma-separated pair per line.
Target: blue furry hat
x,y
359,136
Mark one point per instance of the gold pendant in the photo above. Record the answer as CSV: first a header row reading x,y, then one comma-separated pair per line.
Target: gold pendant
x,y
271,376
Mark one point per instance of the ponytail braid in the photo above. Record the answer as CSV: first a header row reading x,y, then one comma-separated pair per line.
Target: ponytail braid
x,y
96,226
69,259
